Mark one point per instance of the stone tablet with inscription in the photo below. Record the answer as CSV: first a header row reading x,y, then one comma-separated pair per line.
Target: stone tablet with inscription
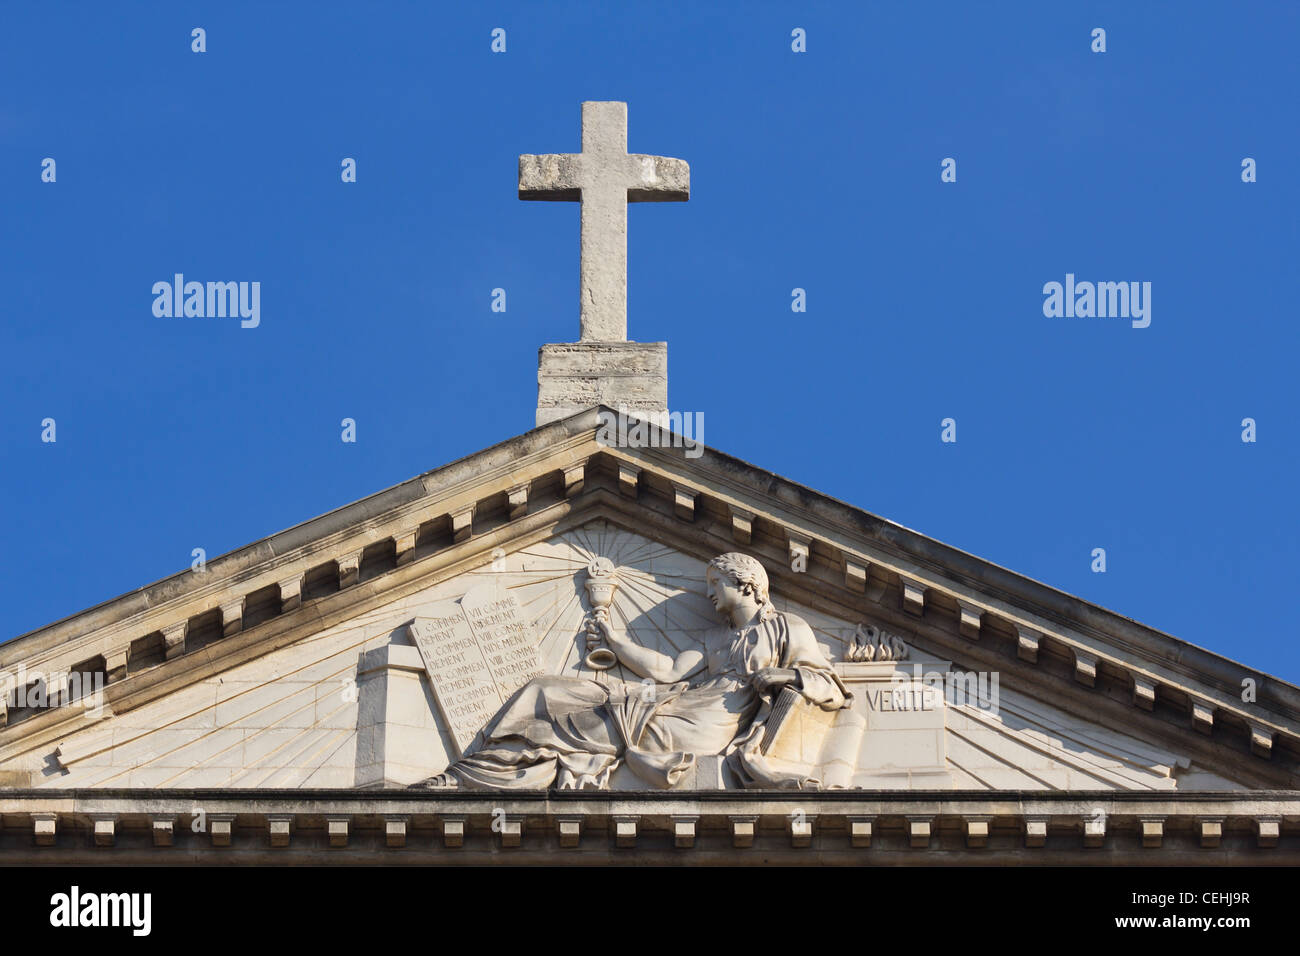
x,y
477,651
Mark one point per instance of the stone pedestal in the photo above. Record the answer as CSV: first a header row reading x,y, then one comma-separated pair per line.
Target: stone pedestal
x,y
893,734
399,740
575,376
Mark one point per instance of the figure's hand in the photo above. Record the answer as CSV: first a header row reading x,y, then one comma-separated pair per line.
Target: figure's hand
x,y
768,680
599,630
601,626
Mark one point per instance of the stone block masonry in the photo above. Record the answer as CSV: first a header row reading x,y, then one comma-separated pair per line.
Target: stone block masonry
x,y
575,376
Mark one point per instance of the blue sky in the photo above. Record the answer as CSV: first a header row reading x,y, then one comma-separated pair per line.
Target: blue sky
x,y
818,170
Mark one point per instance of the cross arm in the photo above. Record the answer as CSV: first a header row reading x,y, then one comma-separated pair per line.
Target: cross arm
x,y
658,179
558,177
551,177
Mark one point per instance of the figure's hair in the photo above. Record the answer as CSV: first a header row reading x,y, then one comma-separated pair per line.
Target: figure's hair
x,y
748,573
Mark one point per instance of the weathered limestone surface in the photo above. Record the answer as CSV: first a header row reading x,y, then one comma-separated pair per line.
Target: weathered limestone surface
x,y
575,376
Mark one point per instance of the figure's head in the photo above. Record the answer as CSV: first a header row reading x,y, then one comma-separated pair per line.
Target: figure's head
x,y
736,580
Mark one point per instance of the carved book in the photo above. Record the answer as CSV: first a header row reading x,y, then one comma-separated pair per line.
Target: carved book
x,y
784,710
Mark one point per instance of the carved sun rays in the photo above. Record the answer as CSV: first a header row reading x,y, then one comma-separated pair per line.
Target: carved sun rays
x,y
659,600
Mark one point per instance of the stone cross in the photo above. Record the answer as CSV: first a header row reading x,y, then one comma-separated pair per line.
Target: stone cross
x,y
604,177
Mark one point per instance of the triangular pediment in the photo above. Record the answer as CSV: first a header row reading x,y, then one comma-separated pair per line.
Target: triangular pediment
x,y
291,662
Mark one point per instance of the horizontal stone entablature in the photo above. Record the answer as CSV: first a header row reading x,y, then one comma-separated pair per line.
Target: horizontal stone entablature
x,y
804,827
867,565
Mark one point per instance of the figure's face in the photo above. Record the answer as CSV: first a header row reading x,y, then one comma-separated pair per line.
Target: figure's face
x,y
724,592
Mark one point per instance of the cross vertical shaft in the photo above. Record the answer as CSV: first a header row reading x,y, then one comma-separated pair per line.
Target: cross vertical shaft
x,y
602,282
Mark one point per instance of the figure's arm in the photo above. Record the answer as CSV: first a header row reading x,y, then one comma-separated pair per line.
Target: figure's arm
x,y
646,662
817,680
771,679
